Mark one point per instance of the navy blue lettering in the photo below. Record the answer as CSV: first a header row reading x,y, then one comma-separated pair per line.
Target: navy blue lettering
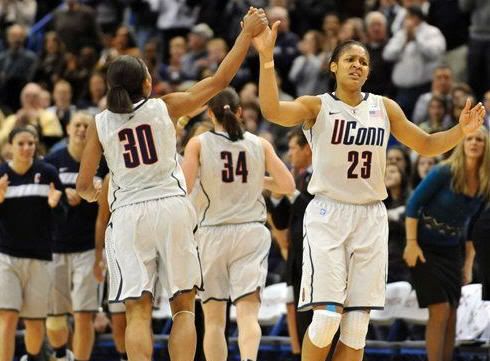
x,y
349,139
338,130
361,136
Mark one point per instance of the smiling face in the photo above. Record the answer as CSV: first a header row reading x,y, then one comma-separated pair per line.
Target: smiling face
x,y
351,69
77,128
23,147
393,177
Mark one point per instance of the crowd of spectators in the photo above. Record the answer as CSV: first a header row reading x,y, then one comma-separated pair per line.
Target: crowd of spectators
x,y
427,55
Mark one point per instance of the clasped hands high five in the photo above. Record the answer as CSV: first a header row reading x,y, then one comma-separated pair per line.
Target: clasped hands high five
x,y
255,24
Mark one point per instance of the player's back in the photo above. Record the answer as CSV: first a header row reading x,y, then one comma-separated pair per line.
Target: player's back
x,y
232,178
140,150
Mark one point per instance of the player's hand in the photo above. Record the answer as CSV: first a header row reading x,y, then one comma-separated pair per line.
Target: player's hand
x,y
254,22
266,40
471,119
72,196
54,196
101,322
412,253
99,269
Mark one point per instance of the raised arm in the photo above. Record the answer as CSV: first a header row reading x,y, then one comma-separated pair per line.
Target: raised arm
x,y
285,113
437,143
88,166
280,179
183,103
190,165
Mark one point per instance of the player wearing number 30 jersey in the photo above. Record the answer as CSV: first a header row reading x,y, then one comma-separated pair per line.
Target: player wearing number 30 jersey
x,y
149,238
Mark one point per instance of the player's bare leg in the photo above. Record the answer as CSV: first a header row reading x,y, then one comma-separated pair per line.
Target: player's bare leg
x,y
34,336
83,335
118,321
215,347
249,332
345,353
139,342
8,325
292,328
182,341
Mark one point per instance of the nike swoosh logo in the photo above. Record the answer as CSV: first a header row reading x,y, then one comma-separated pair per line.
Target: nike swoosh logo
x,y
332,113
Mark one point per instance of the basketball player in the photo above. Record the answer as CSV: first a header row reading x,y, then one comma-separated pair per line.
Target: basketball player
x,y
233,241
29,191
150,235
345,226
74,288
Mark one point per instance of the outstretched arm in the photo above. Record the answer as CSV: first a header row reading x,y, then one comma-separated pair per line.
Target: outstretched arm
x,y
183,103
285,113
433,144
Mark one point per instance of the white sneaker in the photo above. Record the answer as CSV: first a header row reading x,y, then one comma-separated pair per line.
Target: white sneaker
x,y
23,358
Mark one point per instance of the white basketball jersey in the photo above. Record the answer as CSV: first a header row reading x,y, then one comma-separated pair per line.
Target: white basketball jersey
x,y
140,149
232,179
349,150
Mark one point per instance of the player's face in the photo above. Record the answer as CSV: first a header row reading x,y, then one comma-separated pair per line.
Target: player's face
x,y
474,145
352,67
393,178
77,130
424,165
23,147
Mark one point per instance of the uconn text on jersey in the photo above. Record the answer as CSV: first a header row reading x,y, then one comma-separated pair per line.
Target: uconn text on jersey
x,y
347,132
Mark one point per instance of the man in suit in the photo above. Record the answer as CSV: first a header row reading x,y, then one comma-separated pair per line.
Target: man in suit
x,y
287,213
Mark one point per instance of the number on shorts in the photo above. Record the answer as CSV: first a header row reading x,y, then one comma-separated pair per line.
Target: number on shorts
x,y
228,173
353,157
139,138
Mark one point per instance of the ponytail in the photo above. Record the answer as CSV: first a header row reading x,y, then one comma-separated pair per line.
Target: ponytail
x,y
118,100
231,124
224,106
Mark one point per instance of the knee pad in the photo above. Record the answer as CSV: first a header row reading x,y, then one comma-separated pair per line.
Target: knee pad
x,y
56,323
323,327
353,329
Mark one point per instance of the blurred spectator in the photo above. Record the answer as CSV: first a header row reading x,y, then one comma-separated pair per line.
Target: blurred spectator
x,y
145,20
45,122
436,116
396,182
421,167
52,63
195,58
21,12
401,13
63,107
175,18
437,213
123,43
76,26
416,49
171,72
109,14
390,9
78,71
442,82
453,23
17,67
251,116
308,14
399,156
216,50
286,49
96,91
249,93
352,29
477,240
45,99
235,10
459,93
330,28
379,80
306,72
212,12
479,46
